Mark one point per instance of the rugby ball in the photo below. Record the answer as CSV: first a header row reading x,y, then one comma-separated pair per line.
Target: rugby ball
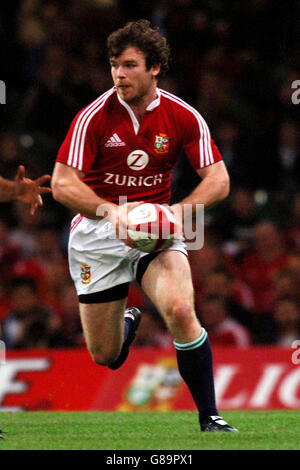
x,y
151,227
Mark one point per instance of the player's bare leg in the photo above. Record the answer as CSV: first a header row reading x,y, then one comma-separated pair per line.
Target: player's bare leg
x,y
109,330
168,283
103,328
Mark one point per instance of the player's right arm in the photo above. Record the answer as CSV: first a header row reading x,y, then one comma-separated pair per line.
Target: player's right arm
x,y
69,189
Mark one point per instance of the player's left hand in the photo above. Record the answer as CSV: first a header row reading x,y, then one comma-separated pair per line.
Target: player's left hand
x,y
29,191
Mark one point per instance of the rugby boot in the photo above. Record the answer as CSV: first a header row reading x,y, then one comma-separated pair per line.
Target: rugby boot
x,y
216,424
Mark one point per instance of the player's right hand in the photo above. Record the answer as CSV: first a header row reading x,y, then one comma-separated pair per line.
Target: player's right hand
x,y
121,220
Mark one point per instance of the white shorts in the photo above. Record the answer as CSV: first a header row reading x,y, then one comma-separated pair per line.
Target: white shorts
x,y
98,260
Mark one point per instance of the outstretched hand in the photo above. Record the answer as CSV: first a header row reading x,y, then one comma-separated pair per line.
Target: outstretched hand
x,y
29,191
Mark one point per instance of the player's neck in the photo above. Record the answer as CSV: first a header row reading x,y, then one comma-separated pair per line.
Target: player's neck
x,y
140,106
139,111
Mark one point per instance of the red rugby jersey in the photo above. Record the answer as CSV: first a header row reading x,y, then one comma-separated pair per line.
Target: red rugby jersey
x,y
122,157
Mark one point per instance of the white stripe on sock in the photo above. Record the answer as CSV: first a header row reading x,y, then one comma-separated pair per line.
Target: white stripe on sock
x,y
192,344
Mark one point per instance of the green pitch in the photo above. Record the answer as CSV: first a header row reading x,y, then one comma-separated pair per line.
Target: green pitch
x,y
262,430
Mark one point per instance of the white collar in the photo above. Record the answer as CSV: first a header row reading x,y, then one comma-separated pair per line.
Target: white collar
x,y
150,107
154,103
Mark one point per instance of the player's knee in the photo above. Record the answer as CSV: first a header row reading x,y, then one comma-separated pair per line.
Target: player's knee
x,y
181,313
103,358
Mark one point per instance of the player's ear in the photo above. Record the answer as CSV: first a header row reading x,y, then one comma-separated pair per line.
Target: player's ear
x,y
155,70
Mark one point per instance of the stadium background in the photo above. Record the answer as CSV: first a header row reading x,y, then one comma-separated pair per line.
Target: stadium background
x,y
233,61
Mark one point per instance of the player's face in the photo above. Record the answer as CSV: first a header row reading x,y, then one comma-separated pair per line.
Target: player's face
x,y
131,78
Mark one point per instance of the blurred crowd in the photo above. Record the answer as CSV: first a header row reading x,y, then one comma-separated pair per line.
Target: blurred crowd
x,y
233,61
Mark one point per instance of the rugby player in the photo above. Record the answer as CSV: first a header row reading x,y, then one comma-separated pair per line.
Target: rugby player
x,y
24,190
125,143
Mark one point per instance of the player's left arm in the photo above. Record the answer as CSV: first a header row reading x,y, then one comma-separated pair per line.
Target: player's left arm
x,y
213,188
206,159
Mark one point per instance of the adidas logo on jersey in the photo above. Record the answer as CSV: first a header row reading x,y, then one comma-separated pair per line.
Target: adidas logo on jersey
x,y
114,141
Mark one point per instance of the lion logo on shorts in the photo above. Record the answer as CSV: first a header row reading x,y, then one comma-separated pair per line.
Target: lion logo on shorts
x,y
85,273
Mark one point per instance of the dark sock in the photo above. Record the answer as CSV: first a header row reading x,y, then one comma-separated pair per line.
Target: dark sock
x,y
128,322
195,364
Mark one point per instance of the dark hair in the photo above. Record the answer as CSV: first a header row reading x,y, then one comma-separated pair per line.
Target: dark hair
x,y
23,281
215,298
148,40
223,272
288,298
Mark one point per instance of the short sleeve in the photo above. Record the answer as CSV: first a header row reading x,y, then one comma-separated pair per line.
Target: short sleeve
x,y
198,145
79,148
